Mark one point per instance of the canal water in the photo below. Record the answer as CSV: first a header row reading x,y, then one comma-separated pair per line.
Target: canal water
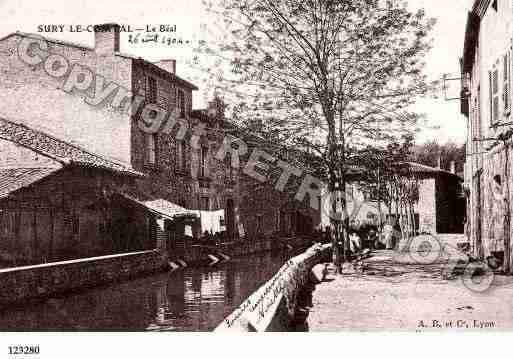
x,y
194,299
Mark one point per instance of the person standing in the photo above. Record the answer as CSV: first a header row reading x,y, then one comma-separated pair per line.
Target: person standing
x,y
388,233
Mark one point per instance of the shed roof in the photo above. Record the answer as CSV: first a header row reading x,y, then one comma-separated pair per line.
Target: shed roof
x,y
162,207
420,168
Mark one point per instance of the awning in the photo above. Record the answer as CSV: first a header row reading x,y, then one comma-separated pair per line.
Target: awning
x,y
163,207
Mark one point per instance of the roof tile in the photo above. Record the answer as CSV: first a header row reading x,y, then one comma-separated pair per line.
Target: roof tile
x,y
57,149
12,179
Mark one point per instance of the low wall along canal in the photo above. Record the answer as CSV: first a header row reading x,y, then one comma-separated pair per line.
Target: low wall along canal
x,y
44,280
274,306
189,299
21,283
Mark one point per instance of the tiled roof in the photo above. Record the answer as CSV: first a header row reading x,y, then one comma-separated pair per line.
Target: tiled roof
x,y
162,207
57,149
12,179
420,168
168,208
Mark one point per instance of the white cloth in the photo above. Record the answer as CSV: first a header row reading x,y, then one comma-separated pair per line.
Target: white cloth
x,y
355,242
211,220
388,233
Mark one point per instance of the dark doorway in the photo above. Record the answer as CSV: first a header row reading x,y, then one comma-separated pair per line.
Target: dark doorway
x,y
230,218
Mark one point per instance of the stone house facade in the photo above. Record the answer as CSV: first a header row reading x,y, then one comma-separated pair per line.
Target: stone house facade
x,y
440,207
93,99
60,202
486,68
265,211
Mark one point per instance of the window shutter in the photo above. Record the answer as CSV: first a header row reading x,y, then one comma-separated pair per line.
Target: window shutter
x,y
494,96
151,148
506,87
490,93
152,90
178,159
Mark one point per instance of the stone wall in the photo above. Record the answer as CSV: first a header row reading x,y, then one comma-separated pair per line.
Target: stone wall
x,y
30,95
498,162
426,206
172,178
48,279
73,213
198,254
273,306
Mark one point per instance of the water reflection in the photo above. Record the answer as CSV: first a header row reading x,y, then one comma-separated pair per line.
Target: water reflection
x,y
190,300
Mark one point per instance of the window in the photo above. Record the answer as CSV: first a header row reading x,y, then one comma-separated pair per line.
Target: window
x,y
259,223
180,102
75,223
228,166
151,96
203,168
506,83
349,192
494,96
181,157
205,203
151,148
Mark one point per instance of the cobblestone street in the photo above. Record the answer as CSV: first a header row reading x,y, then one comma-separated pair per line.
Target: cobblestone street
x,y
392,291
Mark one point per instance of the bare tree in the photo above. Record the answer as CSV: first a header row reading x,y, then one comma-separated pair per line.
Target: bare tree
x,y
329,76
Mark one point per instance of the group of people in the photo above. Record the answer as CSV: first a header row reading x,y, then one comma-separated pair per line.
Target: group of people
x,y
365,234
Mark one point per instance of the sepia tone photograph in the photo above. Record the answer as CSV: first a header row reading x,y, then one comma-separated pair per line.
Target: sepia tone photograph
x,y
236,166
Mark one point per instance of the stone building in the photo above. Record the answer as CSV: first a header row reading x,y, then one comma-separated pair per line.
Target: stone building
x,y
265,211
486,68
93,99
439,208
59,201
441,204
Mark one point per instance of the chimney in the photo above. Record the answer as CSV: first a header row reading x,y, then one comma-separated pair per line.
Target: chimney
x,y
106,39
453,167
167,64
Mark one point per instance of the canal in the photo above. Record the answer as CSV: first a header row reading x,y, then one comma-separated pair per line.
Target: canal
x,y
194,299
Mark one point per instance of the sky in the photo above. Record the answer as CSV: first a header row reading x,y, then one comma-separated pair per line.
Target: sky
x,y
193,23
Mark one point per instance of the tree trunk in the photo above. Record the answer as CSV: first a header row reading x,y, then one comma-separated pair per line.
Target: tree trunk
x,y
412,214
334,194
334,223
345,220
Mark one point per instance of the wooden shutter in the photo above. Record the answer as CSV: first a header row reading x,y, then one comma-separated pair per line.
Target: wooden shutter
x,y
151,95
490,95
494,96
151,148
506,82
